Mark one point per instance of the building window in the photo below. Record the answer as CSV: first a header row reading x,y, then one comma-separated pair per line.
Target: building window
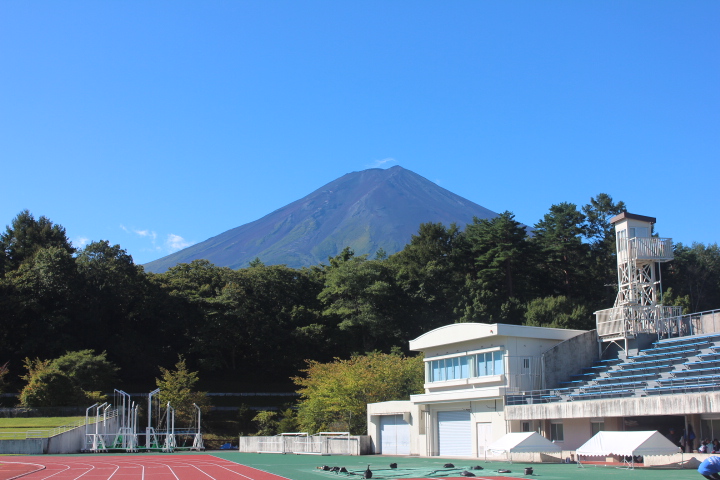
x,y
596,427
556,432
641,232
526,427
457,368
490,363
499,364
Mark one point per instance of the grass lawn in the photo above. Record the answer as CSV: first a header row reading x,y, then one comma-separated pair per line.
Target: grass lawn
x,y
34,423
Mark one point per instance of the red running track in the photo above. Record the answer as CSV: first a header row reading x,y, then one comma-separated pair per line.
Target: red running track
x,y
176,467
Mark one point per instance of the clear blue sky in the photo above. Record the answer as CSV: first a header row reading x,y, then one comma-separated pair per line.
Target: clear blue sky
x,y
157,124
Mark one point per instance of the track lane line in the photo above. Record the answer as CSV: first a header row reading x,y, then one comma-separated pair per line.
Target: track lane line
x,y
245,467
67,467
41,467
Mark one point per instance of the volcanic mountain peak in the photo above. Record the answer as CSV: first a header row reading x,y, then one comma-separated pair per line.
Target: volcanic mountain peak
x,y
365,210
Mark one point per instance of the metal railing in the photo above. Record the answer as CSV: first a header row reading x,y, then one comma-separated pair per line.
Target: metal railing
x,y
698,323
630,320
646,248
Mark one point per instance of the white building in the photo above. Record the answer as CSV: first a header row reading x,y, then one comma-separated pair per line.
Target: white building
x,y
470,369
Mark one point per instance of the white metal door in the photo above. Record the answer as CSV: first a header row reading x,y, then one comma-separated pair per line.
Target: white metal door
x,y
526,382
454,434
484,436
394,435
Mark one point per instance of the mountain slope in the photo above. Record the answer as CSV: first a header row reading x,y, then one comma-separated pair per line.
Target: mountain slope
x,y
365,210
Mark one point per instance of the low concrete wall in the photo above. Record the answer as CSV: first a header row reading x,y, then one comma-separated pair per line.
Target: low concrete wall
x,y
353,445
527,457
72,441
30,446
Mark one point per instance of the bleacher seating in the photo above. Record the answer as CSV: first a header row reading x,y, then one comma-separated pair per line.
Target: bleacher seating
x,y
686,364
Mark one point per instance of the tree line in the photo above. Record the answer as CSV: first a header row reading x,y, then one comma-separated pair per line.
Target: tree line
x,y
262,323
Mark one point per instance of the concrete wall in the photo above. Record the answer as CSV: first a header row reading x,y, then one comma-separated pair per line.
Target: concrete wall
x,y
529,457
679,460
709,323
576,432
569,357
354,445
71,441
690,403
31,446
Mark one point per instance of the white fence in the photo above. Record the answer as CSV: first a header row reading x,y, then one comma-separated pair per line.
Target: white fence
x,y
323,443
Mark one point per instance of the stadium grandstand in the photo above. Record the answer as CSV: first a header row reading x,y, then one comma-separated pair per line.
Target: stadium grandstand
x,y
646,366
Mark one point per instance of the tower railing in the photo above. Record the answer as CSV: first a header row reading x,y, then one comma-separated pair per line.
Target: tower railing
x,y
646,248
626,321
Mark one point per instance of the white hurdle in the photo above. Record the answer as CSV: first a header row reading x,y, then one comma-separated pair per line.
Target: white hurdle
x,y
124,437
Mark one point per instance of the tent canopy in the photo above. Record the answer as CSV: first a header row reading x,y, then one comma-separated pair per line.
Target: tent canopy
x,y
523,442
628,443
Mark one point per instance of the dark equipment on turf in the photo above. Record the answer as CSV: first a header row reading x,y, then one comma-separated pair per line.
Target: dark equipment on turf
x,y
448,465
368,473
528,471
465,473
393,465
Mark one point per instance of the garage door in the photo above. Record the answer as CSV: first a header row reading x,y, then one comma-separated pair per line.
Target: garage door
x,y
454,434
394,435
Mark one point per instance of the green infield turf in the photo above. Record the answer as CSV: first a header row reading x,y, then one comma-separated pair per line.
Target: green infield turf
x,y
304,467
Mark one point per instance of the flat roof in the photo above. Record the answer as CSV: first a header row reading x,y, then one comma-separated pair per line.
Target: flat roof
x,y
462,332
632,216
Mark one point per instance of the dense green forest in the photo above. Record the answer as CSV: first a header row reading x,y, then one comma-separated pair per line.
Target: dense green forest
x,y
260,324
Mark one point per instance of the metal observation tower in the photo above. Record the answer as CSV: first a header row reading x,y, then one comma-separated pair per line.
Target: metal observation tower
x,y
637,309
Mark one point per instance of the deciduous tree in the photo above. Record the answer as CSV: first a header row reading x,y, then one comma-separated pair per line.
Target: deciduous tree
x,y
334,396
76,378
178,388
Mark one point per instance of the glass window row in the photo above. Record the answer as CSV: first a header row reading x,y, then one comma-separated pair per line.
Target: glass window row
x,y
469,366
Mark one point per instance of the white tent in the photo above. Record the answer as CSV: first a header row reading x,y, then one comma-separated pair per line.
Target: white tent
x,y
627,444
522,442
